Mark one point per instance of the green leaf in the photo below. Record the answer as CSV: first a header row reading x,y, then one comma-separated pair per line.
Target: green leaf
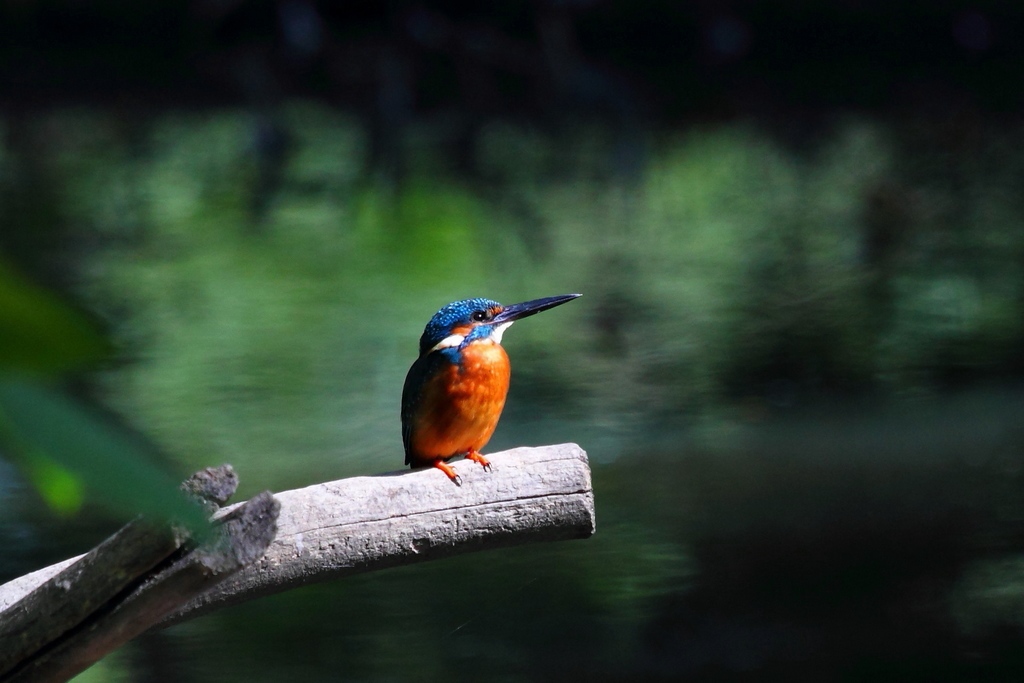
x,y
116,471
40,333
62,490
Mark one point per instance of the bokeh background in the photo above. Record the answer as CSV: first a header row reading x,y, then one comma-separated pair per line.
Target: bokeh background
x,y
797,367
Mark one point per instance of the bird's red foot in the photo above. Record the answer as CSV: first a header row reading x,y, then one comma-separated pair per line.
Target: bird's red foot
x,y
448,470
476,457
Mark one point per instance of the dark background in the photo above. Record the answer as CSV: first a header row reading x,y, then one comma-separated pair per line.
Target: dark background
x,y
796,366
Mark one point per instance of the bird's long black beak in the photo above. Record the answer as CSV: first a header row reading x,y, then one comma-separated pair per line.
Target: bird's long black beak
x,y
528,308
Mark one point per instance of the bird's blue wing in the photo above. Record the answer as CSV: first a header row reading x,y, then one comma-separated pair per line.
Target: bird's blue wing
x,y
412,380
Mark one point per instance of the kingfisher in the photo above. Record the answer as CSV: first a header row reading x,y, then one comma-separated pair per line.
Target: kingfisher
x,y
455,391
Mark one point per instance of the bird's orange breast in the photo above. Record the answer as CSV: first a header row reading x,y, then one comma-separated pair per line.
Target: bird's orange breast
x,y
461,404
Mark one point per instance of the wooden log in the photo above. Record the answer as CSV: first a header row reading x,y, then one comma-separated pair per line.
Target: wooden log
x,y
32,619
344,527
242,537
75,592
212,486
339,528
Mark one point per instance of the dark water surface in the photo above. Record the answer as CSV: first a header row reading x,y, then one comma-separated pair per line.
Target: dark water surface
x,y
797,374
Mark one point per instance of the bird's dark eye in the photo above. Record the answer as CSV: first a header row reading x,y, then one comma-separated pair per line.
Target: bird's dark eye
x,y
479,316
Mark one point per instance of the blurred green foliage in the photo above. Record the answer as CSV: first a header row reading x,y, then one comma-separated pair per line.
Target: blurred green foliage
x,y
65,448
64,451
732,273
41,334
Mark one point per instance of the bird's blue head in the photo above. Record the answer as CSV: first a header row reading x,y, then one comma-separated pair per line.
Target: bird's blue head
x,y
462,322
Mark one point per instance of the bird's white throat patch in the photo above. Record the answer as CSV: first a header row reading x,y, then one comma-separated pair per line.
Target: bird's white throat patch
x,y
499,330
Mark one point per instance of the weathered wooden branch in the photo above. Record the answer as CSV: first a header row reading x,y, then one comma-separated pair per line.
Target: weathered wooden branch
x,y
90,605
362,524
242,537
327,531
81,588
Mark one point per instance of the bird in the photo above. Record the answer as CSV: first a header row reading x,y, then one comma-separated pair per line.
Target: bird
x,y
455,390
